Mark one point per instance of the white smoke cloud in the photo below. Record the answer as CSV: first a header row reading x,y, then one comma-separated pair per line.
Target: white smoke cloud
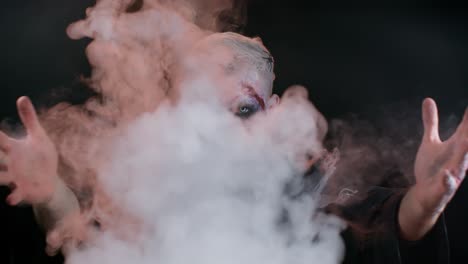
x,y
206,188
178,180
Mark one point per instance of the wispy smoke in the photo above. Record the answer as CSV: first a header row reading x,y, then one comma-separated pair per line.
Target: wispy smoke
x,y
132,55
380,151
170,174
204,188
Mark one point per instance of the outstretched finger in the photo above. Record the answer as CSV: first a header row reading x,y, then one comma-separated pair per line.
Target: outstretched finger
x,y
15,197
79,29
460,159
430,120
28,114
462,129
54,241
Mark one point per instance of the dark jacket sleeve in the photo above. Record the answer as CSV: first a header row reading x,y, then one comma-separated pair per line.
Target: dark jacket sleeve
x,y
372,235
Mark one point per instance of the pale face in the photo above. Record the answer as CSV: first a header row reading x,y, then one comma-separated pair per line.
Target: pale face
x,y
243,88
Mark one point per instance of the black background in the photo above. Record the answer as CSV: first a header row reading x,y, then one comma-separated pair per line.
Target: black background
x,y
354,57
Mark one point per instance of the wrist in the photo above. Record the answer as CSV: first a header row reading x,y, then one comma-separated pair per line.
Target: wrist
x,y
415,220
57,206
50,193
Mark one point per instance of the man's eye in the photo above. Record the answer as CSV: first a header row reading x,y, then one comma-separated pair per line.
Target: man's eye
x,y
245,112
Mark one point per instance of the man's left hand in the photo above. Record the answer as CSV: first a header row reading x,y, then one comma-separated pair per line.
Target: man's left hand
x,y
439,169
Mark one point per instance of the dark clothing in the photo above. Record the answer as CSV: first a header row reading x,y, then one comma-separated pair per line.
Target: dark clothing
x,y
372,235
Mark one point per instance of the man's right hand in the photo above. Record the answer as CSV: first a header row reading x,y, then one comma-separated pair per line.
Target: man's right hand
x,y
28,165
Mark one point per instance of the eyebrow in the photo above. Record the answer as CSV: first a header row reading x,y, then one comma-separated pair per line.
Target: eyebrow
x,y
259,99
254,94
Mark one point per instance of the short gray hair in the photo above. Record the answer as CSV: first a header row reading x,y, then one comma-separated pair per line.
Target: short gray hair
x,y
251,49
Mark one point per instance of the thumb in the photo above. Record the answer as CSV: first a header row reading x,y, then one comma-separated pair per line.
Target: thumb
x,y
28,114
54,241
430,120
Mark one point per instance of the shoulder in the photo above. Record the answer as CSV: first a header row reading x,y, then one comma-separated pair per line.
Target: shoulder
x,y
366,206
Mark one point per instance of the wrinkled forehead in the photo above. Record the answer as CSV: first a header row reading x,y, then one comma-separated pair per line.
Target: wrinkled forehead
x,y
238,49
233,62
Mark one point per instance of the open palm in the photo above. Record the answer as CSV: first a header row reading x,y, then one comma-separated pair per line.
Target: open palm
x,y
440,166
29,164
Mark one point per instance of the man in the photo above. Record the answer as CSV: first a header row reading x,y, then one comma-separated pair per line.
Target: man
x,y
243,67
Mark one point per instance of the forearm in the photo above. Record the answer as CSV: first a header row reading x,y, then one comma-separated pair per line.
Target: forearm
x,y
63,203
414,222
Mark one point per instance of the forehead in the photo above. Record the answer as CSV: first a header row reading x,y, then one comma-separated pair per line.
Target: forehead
x,y
232,62
212,50
238,45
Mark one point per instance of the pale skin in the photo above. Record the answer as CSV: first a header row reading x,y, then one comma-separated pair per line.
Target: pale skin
x,y
30,165
440,168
